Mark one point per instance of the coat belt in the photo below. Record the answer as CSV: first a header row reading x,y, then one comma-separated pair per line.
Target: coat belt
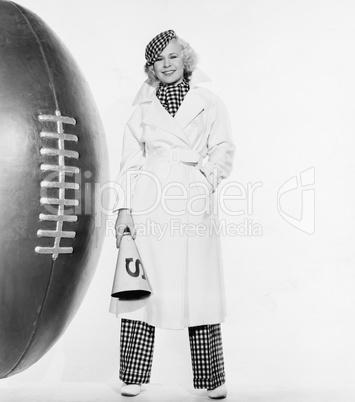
x,y
177,155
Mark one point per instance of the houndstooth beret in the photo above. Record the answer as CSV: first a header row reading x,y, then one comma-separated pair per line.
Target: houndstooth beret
x,y
157,45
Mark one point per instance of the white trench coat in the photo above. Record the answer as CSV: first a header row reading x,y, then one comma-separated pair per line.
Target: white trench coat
x,y
173,205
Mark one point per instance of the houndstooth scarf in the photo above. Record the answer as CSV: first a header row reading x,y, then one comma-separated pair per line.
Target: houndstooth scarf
x,y
171,96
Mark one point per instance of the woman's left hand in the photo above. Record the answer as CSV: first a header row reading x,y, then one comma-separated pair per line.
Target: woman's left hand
x,y
124,220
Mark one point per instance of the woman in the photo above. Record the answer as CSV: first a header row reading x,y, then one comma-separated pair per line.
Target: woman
x,y
177,148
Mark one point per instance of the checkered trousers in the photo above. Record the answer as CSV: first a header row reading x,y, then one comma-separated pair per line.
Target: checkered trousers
x,y
207,356
137,344
136,351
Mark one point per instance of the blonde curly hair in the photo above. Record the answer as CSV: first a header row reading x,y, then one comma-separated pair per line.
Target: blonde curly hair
x,y
188,56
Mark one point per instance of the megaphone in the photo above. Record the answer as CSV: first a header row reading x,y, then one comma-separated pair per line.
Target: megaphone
x,y
130,281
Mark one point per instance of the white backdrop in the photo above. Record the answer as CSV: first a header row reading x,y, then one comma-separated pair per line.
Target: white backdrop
x,y
285,70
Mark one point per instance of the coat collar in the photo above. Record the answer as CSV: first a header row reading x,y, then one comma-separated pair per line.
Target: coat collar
x,y
190,108
148,89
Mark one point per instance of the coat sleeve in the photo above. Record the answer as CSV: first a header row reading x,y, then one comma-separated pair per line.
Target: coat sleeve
x,y
220,146
133,158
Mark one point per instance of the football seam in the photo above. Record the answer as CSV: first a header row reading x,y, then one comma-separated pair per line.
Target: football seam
x,y
61,169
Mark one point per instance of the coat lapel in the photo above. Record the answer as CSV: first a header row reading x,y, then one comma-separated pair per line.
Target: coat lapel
x,y
157,116
191,107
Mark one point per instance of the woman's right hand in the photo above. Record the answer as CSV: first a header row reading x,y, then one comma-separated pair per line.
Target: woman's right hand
x,y
124,220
